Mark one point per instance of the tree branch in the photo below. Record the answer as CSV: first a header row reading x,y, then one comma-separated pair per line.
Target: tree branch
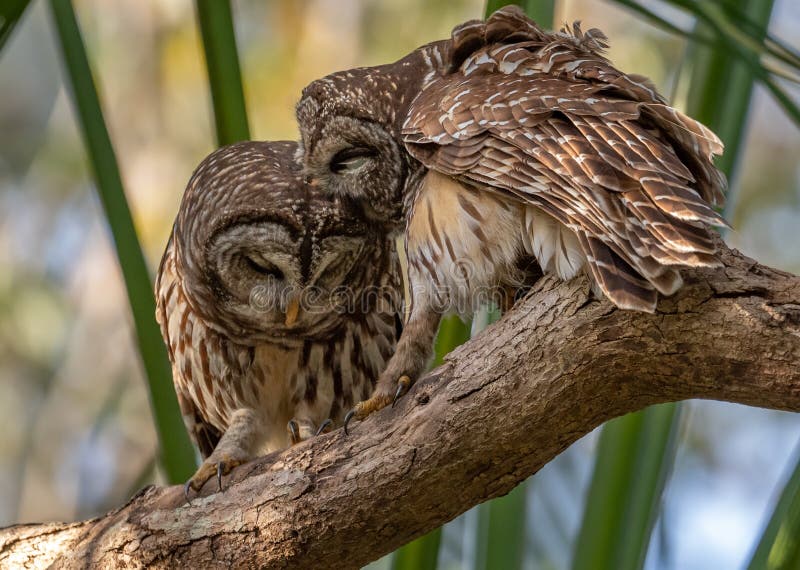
x,y
500,408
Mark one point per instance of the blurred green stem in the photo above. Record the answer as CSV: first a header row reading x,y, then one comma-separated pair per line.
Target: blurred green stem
x,y
421,554
540,11
634,454
722,85
224,75
10,14
176,454
779,546
505,531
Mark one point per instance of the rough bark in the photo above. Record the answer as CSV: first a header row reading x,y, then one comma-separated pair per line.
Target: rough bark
x,y
500,408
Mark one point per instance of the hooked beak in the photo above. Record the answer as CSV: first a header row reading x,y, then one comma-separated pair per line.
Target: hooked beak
x,y
292,309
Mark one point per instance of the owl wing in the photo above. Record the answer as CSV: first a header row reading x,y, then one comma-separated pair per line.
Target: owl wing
x,y
546,119
201,432
167,290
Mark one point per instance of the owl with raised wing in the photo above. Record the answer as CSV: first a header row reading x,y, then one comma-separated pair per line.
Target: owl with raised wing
x,y
507,141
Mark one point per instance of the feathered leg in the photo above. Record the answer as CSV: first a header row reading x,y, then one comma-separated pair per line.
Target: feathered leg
x,y
234,448
410,360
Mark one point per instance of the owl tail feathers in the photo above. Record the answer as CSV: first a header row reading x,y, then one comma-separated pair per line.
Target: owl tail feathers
x,y
617,279
630,284
696,146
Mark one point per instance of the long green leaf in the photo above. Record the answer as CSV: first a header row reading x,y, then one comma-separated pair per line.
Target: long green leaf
x,y
710,39
729,20
715,36
779,546
10,14
654,18
540,11
742,24
453,332
176,454
633,458
224,75
505,531
421,554
494,5
721,87
499,532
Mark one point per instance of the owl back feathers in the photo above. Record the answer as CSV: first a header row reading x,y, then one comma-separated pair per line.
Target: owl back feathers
x,y
545,119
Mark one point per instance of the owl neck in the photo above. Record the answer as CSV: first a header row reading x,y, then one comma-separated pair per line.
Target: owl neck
x,y
412,187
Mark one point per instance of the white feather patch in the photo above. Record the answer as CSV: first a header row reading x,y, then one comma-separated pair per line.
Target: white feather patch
x,y
555,247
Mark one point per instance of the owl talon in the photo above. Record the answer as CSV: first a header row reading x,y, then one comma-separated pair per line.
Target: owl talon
x,y
347,419
326,425
402,387
215,466
220,467
294,431
379,400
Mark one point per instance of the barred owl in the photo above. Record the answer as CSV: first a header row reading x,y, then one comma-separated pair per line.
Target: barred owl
x,y
279,305
506,141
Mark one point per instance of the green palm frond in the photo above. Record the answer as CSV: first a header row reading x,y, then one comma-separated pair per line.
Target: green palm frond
x,y
224,75
634,456
176,453
779,545
736,29
11,12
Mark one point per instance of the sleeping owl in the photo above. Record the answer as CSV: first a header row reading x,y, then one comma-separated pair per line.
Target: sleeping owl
x,y
280,305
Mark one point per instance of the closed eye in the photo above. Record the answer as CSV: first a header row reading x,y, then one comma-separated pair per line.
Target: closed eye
x,y
336,259
351,158
264,267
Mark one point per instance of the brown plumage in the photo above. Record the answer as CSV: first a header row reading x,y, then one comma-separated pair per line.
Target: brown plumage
x,y
279,305
508,141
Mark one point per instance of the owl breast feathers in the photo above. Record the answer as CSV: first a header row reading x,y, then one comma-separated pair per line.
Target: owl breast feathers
x,y
508,141
279,305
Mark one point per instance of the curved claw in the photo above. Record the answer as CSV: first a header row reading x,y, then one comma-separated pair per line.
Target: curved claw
x,y
402,385
220,467
186,488
347,419
295,431
397,394
323,426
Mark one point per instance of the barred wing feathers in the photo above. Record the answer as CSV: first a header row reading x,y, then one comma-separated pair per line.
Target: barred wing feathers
x,y
546,119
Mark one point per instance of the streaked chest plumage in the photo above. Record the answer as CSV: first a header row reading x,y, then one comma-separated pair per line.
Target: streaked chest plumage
x,y
215,376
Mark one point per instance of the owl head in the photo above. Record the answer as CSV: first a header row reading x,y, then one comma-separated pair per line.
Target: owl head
x,y
350,136
351,121
264,256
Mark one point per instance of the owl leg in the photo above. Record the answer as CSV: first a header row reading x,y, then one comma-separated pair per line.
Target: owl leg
x,y
409,361
234,448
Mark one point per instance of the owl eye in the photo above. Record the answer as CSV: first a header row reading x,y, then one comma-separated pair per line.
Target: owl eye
x,y
264,267
351,158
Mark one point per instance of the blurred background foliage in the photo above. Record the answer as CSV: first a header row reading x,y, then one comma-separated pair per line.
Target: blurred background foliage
x,y
78,433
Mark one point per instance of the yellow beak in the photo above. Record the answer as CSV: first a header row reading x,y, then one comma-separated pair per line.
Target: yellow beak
x,y
292,308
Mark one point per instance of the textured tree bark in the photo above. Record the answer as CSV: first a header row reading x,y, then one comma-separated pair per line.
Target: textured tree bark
x,y
500,408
